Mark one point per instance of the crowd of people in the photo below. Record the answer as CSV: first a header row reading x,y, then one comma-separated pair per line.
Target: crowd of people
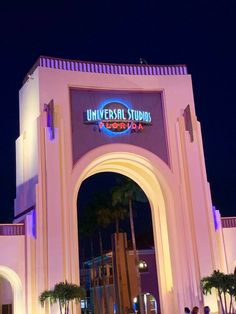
x,y
195,310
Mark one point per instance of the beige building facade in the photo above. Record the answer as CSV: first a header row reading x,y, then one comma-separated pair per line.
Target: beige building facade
x,y
80,118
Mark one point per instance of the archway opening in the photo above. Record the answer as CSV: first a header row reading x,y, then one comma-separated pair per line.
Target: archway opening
x,y
109,271
156,180
14,292
6,296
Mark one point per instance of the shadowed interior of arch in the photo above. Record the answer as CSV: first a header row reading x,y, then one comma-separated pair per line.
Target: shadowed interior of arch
x,y
12,283
155,179
93,188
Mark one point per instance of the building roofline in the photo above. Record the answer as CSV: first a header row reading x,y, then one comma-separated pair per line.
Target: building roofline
x,y
107,68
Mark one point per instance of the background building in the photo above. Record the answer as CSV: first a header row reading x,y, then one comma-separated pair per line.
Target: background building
x,y
91,277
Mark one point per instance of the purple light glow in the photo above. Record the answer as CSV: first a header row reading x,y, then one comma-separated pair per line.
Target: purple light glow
x,y
216,223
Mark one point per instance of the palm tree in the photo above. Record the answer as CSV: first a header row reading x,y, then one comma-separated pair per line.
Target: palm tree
x,y
64,293
105,214
125,193
99,208
87,228
225,284
106,208
119,212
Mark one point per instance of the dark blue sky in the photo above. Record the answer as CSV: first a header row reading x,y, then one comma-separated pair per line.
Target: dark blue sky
x,y
196,33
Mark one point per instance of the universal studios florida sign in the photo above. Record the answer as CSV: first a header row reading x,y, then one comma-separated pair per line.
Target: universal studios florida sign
x,y
115,117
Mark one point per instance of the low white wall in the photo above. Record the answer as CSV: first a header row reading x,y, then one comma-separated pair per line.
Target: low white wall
x,y
229,238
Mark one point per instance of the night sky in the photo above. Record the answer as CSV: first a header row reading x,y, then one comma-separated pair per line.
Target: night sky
x,y
200,34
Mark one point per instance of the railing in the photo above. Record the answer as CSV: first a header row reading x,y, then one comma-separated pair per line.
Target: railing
x,y
228,222
109,68
12,229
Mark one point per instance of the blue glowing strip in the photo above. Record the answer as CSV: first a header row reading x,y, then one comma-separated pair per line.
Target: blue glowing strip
x,y
216,223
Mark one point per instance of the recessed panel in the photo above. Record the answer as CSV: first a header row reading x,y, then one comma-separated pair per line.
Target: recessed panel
x,y
108,117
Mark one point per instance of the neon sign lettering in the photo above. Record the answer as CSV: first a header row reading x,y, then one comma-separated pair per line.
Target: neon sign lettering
x,y
120,125
118,114
115,117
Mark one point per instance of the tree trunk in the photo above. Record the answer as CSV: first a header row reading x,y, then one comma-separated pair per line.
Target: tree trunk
x,y
231,303
221,302
225,301
135,255
60,307
117,226
120,288
83,282
102,274
128,276
95,307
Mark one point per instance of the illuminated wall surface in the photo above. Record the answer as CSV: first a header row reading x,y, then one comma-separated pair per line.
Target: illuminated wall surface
x,y
81,118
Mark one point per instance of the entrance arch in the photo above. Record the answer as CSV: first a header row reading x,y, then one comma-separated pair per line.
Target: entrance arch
x,y
16,285
59,147
154,178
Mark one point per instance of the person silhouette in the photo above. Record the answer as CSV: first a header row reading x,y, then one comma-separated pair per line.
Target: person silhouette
x,y
195,310
206,310
187,310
